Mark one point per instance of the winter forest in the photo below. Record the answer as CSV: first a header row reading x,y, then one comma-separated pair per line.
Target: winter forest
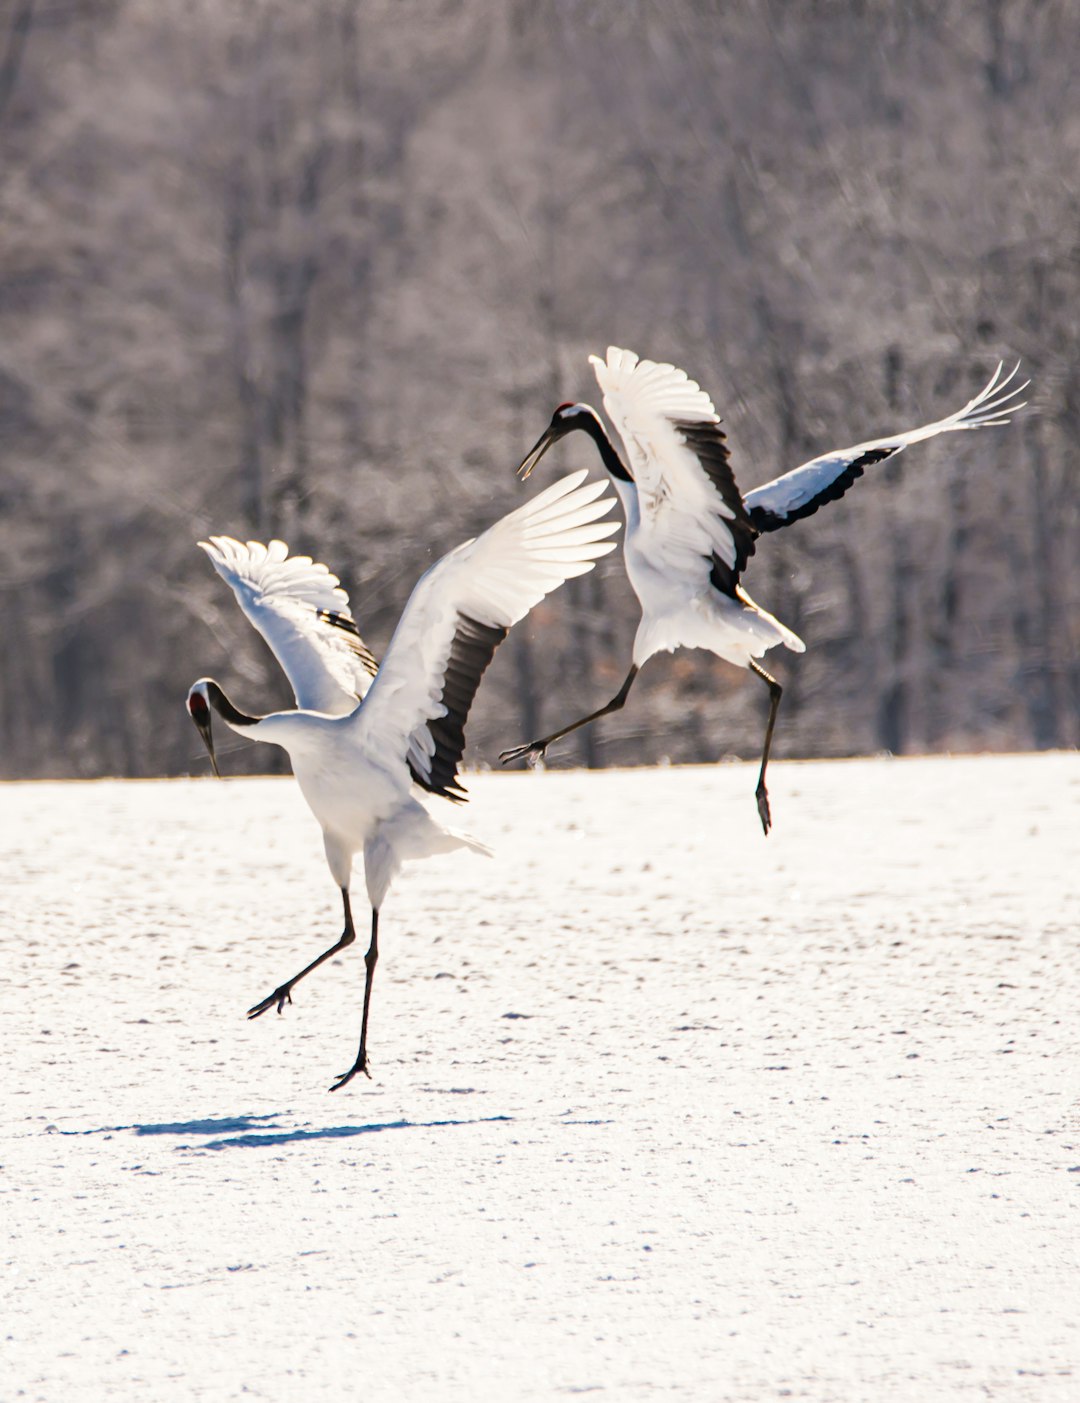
x,y
323,271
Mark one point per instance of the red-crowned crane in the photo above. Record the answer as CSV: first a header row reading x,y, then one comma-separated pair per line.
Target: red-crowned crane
x,y
689,531
362,741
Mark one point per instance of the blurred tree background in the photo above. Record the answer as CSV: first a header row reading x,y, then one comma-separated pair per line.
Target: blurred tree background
x,y
322,271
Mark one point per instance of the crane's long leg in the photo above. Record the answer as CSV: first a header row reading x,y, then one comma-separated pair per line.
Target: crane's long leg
x,y
282,995
371,959
762,794
537,747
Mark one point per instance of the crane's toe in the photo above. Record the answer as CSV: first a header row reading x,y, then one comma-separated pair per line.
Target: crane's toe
x,y
764,812
535,750
281,997
361,1065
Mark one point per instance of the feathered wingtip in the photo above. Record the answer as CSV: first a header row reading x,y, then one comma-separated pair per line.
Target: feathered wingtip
x,y
268,570
231,554
618,362
567,515
633,387
993,404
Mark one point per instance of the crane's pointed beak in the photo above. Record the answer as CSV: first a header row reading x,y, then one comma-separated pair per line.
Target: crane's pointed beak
x,y
200,714
543,443
208,741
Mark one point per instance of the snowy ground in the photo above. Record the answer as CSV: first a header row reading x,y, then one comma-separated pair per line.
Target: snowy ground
x,y
661,1109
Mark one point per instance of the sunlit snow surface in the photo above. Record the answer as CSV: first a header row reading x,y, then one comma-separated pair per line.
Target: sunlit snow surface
x,y
661,1109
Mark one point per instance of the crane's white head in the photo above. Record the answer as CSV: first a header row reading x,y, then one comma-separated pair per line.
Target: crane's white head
x,y
198,705
565,420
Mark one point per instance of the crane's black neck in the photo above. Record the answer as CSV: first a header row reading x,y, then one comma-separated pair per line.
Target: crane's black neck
x,y
225,709
590,424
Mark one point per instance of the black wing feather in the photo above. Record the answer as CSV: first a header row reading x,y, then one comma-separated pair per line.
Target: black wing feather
x,y
348,626
708,443
472,649
764,520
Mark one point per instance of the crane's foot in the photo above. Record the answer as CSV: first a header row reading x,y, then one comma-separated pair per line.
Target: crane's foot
x,y
535,750
281,996
764,812
360,1065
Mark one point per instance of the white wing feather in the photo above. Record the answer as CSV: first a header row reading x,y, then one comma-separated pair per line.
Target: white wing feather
x,y
798,493
684,519
475,593
301,610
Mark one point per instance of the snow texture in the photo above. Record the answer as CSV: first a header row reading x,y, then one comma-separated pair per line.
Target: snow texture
x,y
661,1109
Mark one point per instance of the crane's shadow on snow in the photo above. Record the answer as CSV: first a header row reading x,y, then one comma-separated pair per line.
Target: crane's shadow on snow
x,y
256,1131
269,1136
211,1126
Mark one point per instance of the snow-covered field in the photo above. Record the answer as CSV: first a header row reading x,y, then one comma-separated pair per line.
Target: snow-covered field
x,y
660,1109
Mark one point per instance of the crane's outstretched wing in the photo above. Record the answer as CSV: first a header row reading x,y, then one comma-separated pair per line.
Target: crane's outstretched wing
x,y
800,492
692,519
300,609
458,614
